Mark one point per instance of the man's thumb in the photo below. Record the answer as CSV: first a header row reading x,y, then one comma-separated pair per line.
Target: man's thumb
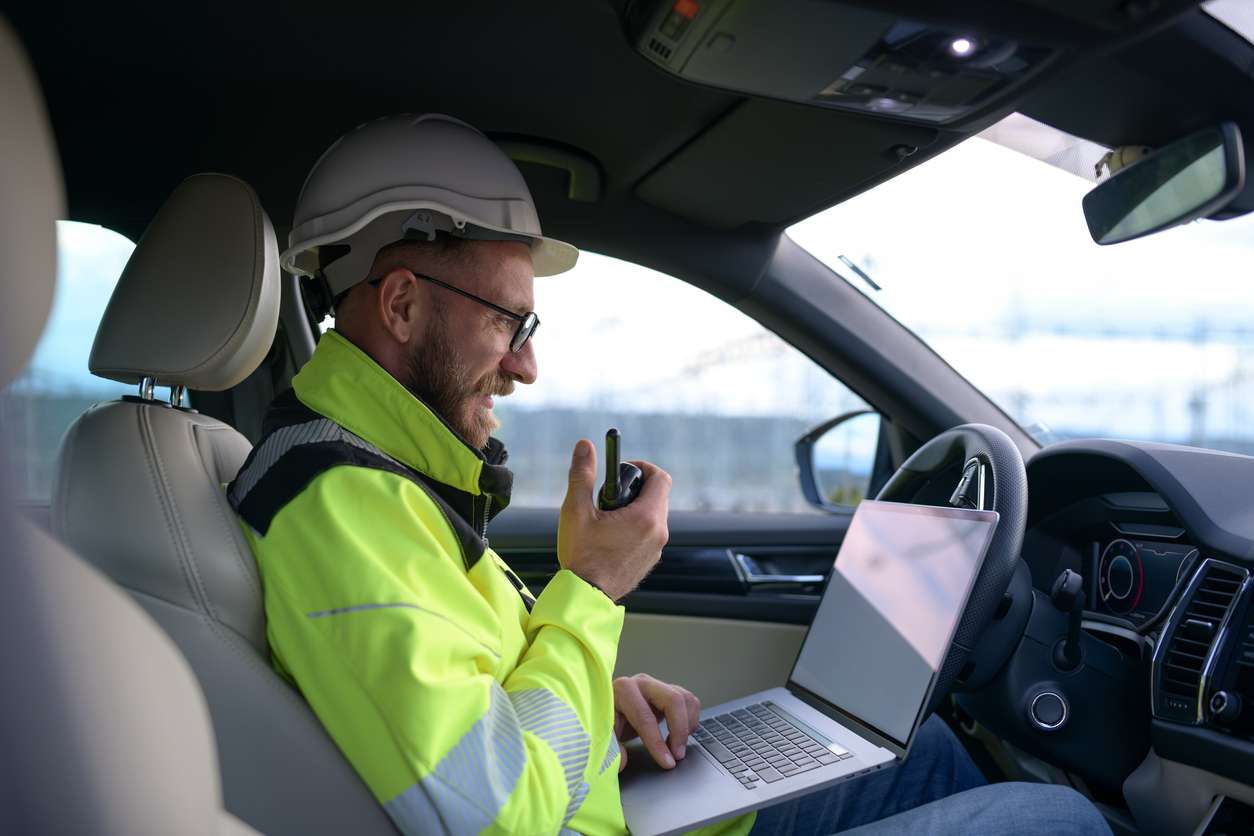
x,y
583,471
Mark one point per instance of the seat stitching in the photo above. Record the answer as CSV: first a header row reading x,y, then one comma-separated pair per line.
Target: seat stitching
x,y
172,520
228,522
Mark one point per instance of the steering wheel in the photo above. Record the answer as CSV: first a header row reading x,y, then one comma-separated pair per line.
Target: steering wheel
x,y
993,472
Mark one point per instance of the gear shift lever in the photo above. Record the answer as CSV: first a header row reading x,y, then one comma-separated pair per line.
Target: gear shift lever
x,y
1066,595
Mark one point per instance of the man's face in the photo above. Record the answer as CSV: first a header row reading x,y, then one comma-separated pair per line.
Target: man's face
x,y
462,359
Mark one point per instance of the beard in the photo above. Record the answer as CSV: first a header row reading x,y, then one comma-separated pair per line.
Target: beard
x,y
440,377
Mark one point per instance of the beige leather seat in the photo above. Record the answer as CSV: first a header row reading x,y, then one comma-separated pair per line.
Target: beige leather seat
x,y
103,729
140,493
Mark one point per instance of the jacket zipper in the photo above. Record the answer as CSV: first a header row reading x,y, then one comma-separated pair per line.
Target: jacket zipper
x,y
483,524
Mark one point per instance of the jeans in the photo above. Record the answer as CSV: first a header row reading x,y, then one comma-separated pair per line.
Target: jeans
x,y
937,790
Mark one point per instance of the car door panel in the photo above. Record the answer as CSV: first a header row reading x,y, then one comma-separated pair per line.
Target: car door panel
x,y
724,611
717,659
756,567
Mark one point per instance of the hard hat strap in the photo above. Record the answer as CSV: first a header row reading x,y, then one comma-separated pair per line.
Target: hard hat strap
x,y
319,299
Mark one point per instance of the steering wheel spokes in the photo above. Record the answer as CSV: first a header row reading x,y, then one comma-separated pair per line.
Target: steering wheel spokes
x,y
970,491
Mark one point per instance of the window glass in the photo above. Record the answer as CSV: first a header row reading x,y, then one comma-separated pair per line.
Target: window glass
x,y
693,384
38,407
983,252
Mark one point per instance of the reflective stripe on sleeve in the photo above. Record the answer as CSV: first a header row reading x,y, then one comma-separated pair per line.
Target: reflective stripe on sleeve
x,y
470,785
609,756
554,722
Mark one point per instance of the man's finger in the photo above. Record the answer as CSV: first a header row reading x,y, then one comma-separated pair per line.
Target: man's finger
x,y
583,475
654,498
657,483
694,709
640,716
670,702
622,730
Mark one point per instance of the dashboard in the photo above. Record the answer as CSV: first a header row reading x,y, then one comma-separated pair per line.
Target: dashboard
x,y
1130,547
1164,538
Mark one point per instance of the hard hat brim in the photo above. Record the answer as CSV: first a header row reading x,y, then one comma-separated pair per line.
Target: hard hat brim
x,y
549,256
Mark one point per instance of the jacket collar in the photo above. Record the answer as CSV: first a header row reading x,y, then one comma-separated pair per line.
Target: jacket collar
x,y
346,385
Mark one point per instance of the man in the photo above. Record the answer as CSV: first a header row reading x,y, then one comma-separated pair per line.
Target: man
x,y
464,703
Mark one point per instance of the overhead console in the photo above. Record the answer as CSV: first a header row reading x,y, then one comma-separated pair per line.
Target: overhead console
x,y
834,55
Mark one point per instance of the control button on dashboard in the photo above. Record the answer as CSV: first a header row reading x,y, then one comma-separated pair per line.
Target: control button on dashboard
x,y
1048,711
1225,707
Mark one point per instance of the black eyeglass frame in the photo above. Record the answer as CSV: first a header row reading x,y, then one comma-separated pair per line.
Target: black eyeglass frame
x,y
527,323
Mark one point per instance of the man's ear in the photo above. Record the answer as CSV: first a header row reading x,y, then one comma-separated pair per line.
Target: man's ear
x,y
398,305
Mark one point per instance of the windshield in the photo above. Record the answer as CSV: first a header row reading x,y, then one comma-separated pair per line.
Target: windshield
x,y
984,253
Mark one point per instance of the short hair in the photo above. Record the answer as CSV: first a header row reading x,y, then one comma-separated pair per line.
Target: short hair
x,y
444,248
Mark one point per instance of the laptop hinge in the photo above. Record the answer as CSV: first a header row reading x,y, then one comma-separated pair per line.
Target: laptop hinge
x,y
848,722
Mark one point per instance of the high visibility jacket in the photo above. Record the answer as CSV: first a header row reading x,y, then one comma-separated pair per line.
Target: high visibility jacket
x,y
464,703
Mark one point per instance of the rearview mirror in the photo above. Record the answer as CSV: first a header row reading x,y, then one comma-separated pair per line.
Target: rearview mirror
x,y
836,459
1188,179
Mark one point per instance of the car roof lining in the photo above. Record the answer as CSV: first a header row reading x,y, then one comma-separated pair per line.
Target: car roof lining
x,y
263,100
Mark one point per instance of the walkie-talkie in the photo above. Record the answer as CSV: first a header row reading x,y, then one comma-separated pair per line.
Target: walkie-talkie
x,y
622,479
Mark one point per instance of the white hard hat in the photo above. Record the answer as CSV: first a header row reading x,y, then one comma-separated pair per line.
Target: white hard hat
x,y
411,176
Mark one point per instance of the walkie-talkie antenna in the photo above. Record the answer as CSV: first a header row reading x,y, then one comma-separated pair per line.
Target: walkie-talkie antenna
x,y
622,479
611,488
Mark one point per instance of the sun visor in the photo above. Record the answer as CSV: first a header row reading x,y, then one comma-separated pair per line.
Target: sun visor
x,y
788,161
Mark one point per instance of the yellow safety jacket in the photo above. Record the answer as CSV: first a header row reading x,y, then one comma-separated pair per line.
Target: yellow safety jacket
x,y
464,703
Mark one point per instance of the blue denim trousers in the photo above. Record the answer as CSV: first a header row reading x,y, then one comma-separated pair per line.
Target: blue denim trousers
x,y
938,791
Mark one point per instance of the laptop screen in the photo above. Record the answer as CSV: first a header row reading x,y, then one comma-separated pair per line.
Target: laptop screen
x,y
890,609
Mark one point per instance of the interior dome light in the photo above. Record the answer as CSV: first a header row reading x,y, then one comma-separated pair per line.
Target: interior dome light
x,y
962,47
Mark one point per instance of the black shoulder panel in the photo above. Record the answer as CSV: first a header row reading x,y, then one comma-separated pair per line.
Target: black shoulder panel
x,y
276,472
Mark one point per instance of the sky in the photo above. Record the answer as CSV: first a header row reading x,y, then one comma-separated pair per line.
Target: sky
x,y
90,259
982,251
985,253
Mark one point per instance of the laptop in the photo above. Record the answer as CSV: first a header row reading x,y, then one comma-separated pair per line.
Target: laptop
x,y
857,691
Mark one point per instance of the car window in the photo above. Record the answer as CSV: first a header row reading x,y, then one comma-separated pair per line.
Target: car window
x,y
55,388
693,384
984,253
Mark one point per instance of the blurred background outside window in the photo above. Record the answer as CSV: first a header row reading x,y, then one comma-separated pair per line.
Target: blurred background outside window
x,y
984,253
38,407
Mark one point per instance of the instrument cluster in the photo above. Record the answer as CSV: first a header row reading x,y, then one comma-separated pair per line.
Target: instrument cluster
x,y
1135,577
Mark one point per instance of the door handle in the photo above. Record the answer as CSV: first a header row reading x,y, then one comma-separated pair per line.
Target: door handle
x,y
750,573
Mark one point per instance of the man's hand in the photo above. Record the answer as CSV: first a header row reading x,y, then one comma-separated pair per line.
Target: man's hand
x,y
640,701
612,550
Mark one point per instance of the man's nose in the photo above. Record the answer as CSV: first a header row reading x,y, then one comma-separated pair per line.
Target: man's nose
x,y
521,365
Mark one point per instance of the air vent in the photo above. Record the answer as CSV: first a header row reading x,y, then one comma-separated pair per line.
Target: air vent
x,y
1192,632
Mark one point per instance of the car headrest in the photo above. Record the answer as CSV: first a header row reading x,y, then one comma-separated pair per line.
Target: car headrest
x,y
198,303
31,200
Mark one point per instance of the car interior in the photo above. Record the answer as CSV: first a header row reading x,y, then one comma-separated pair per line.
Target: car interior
x,y
1109,643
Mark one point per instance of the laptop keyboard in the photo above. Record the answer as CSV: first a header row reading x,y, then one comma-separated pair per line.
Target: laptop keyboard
x,y
756,743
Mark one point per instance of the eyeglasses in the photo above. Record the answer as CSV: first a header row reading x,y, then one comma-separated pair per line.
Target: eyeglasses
x,y
527,323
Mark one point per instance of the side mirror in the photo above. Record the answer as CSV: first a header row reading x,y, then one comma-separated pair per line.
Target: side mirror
x,y
836,459
1191,178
